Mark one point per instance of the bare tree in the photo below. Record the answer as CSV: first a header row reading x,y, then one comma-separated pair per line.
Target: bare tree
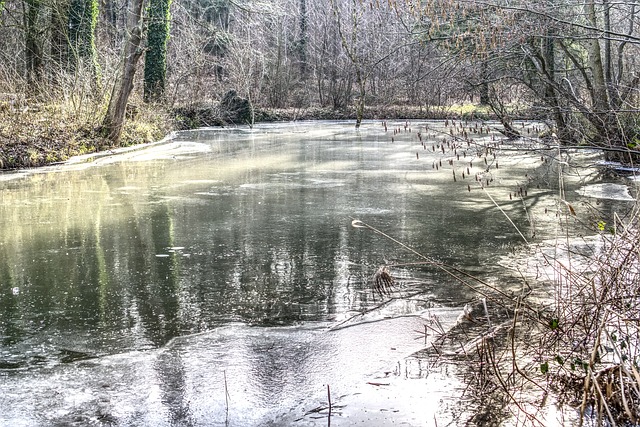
x,y
561,51
114,119
33,51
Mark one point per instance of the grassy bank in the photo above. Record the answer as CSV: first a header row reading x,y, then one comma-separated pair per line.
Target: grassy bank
x,y
39,135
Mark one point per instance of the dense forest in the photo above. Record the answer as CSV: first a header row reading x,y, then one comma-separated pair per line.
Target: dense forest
x,y
81,75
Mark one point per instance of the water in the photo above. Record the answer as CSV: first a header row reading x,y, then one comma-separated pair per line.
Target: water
x,y
195,282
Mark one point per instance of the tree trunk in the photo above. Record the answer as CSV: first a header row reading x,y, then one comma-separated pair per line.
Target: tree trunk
x,y
608,59
600,100
109,14
59,35
350,47
83,17
603,117
155,61
114,119
33,44
549,82
484,92
360,103
303,40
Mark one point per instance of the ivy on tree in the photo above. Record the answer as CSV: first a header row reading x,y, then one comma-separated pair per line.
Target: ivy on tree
x,y
155,63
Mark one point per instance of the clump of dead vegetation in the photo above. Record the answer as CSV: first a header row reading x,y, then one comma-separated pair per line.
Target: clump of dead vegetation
x,y
591,348
575,359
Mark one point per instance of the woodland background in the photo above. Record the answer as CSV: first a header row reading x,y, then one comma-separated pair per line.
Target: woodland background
x,y
82,75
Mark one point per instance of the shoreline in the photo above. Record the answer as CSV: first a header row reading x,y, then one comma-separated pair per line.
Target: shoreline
x,y
34,138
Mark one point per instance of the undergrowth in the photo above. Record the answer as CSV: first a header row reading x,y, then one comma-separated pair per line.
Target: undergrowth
x,y
41,132
563,350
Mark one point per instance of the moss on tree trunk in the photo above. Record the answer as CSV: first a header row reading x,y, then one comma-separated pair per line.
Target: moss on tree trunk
x,y
83,17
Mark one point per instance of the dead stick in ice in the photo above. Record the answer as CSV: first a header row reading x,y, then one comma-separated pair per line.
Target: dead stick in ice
x,y
329,397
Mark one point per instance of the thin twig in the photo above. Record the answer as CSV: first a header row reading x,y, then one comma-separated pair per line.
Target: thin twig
x,y
505,214
329,398
226,396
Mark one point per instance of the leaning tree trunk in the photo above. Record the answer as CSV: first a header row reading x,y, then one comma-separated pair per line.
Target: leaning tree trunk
x,y
155,60
114,120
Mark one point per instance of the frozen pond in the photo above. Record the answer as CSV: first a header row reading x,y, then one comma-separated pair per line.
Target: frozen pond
x,y
200,281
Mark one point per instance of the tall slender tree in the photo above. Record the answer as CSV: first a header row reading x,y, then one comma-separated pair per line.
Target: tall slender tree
x,y
109,17
350,43
114,119
59,25
83,17
304,36
155,64
33,41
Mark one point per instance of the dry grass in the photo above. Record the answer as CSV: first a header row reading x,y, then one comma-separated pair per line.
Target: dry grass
x,y
42,133
594,337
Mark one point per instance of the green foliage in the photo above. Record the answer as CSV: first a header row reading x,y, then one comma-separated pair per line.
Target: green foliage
x,y
82,20
155,64
544,367
579,363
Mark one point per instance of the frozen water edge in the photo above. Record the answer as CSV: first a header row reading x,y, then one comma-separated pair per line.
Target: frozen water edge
x,y
273,376
609,191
